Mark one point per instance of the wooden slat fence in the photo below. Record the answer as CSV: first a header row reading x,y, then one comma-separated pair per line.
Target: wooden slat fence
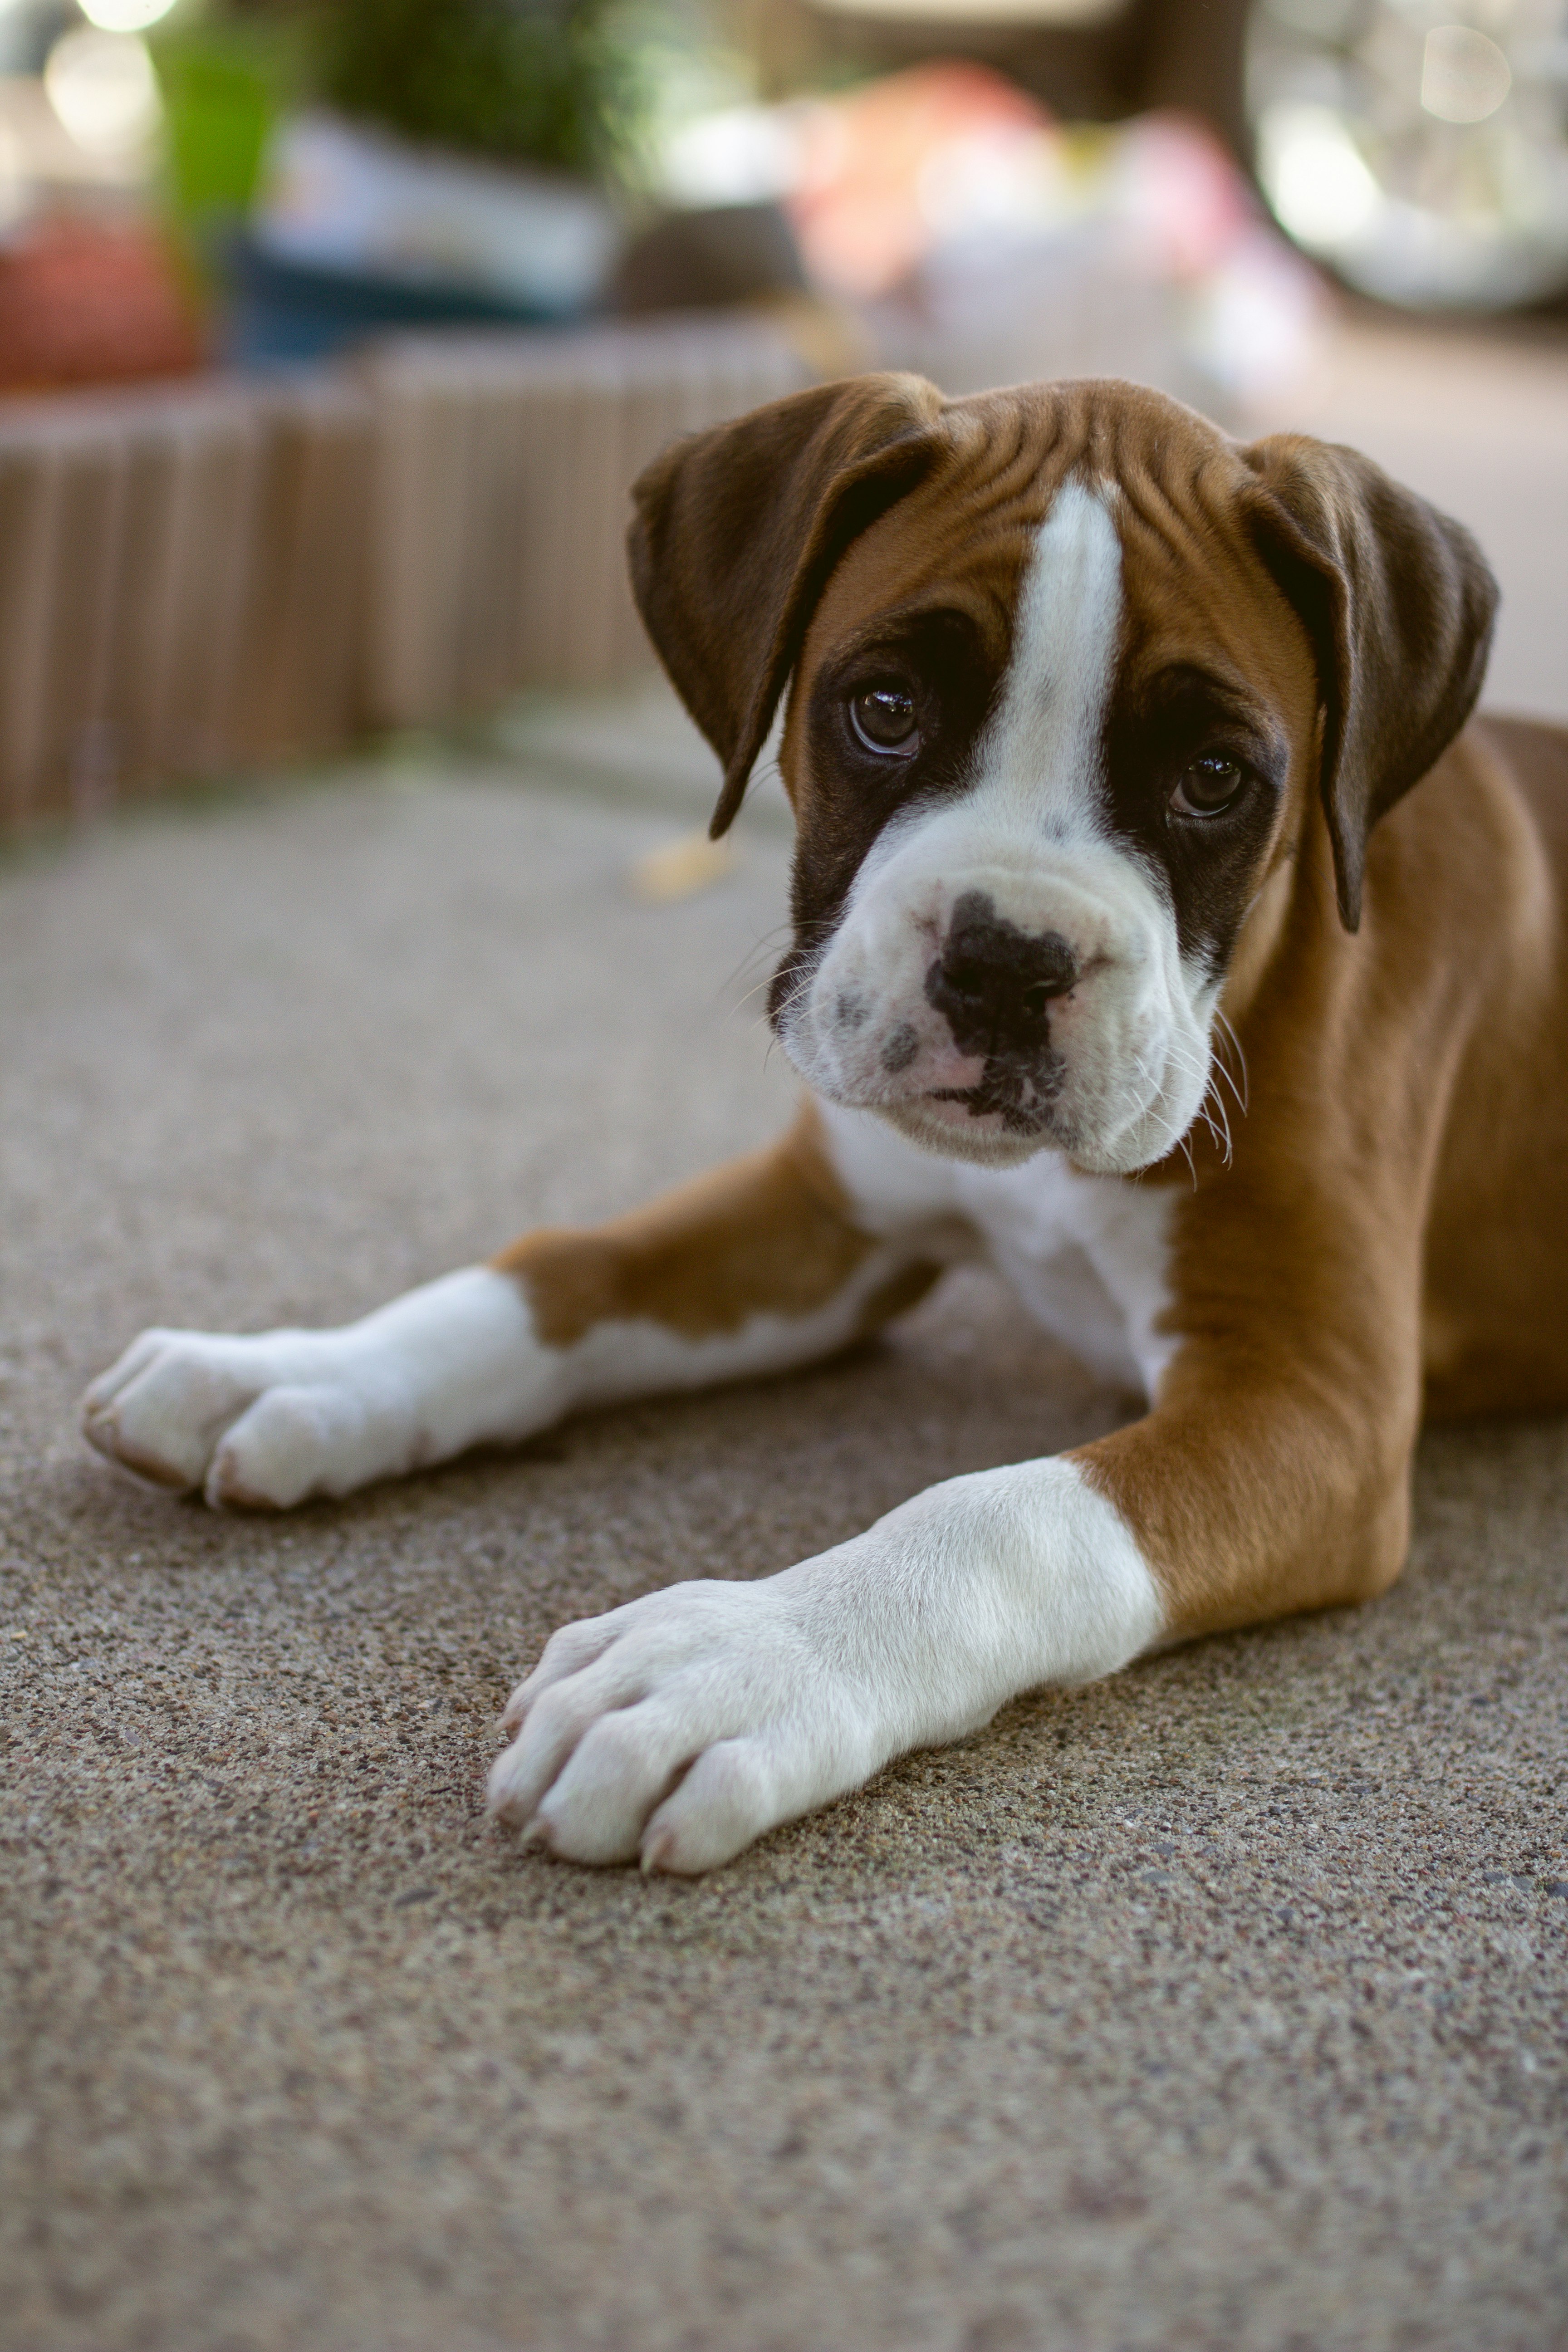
x,y
205,577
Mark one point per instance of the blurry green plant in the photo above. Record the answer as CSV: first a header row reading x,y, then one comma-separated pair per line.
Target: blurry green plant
x,y
225,75
552,82
224,80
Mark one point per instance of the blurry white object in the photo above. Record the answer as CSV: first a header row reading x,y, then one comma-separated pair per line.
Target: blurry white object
x,y
1320,189
124,16
340,198
739,156
1254,323
38,154
1464,77
104,90
1425,157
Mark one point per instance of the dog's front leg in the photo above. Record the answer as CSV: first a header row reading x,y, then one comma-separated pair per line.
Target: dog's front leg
x,y
1267,1479
681,1726
752,1269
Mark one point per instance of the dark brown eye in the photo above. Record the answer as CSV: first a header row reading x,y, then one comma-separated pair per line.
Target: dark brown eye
x,y
1209,785
884,719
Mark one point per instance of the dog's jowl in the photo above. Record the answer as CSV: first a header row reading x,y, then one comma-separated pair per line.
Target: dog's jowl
x,y
1101,734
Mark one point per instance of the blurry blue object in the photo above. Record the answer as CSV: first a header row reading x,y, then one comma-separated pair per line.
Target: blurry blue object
x,y
280,311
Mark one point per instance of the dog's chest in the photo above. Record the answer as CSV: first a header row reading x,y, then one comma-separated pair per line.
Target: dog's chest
x,y
1087,1256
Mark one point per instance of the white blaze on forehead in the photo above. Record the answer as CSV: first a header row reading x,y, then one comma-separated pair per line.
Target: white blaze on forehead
x,y
1046,739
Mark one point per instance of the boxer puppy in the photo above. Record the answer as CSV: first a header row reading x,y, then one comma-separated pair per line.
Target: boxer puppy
x,y
1101,735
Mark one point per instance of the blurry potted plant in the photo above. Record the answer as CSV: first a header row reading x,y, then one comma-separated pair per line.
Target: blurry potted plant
x,y
461,167
551,83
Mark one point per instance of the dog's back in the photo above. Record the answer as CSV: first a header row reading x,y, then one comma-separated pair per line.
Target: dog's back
x,y
1496,1266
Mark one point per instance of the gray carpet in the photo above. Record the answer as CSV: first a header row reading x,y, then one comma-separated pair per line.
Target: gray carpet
x,y
1221,2005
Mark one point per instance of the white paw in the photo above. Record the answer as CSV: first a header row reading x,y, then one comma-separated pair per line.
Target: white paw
x,y
678,1728
253,1421
267,1421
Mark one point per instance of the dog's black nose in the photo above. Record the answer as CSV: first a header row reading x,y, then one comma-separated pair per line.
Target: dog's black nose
x,y
996,984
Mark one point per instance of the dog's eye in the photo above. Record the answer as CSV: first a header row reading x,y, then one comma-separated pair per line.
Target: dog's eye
x,y
884,719
1209,785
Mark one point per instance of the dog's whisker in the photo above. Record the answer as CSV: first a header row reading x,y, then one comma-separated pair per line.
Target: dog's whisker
x,y
1232,1044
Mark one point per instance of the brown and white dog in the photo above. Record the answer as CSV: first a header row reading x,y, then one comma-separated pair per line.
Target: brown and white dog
x,y
1100,733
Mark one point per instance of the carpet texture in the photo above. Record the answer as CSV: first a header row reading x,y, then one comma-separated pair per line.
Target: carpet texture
x,y
1219,2005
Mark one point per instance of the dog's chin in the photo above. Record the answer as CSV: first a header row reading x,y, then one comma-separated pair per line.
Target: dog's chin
x,y
985,1139
952,1132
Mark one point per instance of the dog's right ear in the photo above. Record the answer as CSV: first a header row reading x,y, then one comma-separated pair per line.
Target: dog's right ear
x,y
737,530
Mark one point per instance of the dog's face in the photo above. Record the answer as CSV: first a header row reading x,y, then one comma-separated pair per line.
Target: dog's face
x,y
1039,775
1059,710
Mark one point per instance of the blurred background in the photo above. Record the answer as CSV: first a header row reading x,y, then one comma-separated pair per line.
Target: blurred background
x,y
331,335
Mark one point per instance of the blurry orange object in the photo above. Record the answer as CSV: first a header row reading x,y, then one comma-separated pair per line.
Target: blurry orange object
x,y
85,301
874,161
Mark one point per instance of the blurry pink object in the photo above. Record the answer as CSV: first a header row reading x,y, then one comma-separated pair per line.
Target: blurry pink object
x,y
872,164
944,153
1177,185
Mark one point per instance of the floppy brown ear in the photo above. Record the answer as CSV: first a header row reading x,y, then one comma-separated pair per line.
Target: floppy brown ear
x,y
1399,604
737,530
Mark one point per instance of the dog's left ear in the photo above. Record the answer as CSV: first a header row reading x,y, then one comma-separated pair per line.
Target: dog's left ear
x,y
1398,603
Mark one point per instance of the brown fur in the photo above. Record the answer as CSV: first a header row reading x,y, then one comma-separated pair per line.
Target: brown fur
x,y
770,1233
1274,1472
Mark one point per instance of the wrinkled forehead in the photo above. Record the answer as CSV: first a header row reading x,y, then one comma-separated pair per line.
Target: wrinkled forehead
x,y
1026,525
961,541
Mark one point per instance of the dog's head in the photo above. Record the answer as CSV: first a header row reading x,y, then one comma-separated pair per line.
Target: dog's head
x,y
1070,672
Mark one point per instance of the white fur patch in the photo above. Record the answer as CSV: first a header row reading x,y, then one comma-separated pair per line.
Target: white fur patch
x,y
1087,1255
768,1699
1041,763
